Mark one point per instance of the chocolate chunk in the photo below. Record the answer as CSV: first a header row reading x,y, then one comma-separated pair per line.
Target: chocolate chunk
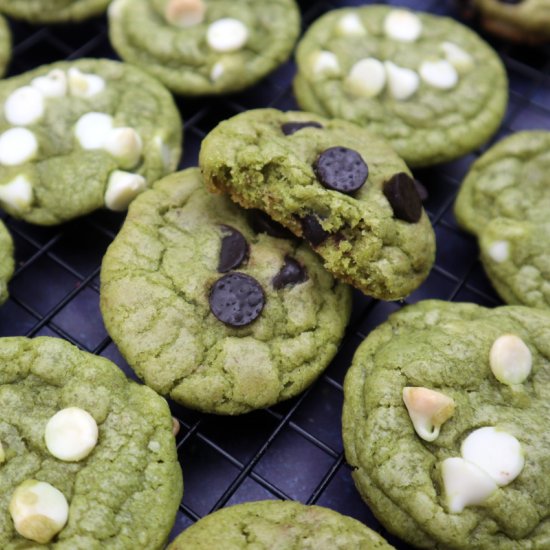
x,y
290,128
291,273
313,230
236,299
403,197
341,169
234,249
421,190
262,223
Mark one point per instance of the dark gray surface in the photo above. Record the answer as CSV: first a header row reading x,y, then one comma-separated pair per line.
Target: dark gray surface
x,y
293,450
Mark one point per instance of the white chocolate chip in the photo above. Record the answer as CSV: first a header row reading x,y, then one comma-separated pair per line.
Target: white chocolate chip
x,y
154,446
325,63
17,146
84,84
351,25
402,25
175,426
367,77
24,106
3,454
165,152
510,359
499,251
71,434
439,74
227,35
92,130
465,484
39,510
185,13
17,194
115,8
125,145
461,60
122,188
54,84
402,82
217,71
497,453
428,410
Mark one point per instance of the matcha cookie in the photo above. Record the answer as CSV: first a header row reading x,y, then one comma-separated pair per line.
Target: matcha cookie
x,y
210,309
77,136
201,47
6,261
339,186
284,525
505,201
53,11
519,20
87,457
443,423
427,84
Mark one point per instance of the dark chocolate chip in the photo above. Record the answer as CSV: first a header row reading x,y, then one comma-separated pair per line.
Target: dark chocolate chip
x,y
510,1
236,299
421,190
234,249
403,197
262,223
291,273
290,128
341,169
313,230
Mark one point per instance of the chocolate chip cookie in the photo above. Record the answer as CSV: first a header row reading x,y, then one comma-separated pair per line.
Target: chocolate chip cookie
x,y
203,47
284,525
53,11
428,84
6,261
87,457
337,185
77,136
212,307
505,200
443,424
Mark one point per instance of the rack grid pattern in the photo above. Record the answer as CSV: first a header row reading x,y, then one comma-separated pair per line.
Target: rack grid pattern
x,y
293,450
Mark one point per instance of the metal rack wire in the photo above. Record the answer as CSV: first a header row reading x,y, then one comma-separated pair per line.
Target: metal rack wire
x,y
293,450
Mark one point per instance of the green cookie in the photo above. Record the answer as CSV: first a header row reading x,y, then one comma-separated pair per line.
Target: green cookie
x,y
6,261
209,309
427,84
202,47
376,238
505,200
281,525
124,493
53,11
464,465
523,20
77,136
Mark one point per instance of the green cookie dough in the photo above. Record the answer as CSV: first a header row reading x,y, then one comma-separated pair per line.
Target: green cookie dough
x,y
281,525
505,201
446,347
520,20
126,492
53,11
77,136
6,261
203,47
428,84
156,281
249,157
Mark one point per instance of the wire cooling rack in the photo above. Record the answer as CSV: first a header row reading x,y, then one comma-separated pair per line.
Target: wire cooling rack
x,y
293,450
